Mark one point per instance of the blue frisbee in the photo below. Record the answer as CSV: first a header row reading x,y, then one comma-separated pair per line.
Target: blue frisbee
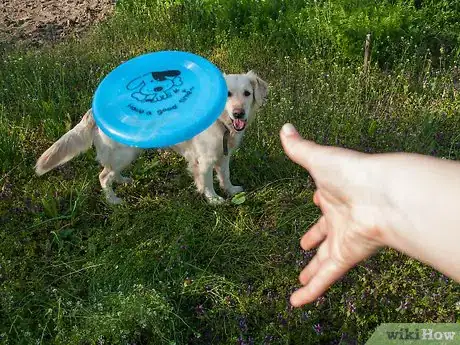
x,y
159,99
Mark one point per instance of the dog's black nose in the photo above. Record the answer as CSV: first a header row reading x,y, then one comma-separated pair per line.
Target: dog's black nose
x,y
238,113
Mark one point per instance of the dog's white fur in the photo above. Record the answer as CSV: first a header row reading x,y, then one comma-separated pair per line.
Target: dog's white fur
x,y
204,153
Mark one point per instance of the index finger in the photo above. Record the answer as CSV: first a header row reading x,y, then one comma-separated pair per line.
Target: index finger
x,y
328,273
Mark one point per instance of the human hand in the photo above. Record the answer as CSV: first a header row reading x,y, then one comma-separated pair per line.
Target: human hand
x,y
353,205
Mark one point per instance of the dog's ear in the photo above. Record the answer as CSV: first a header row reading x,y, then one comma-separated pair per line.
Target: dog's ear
x,y
260,88
163,75
136,83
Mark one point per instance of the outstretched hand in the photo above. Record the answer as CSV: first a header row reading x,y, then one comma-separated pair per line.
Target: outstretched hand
x,y
351,202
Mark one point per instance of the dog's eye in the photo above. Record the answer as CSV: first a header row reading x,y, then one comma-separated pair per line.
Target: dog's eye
x,y
229,94
247,93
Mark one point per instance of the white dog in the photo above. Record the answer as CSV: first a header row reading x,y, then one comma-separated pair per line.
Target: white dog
x,y
211,149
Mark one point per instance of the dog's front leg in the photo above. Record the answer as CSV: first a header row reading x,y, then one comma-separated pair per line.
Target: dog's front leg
x,y
202,173
106,177
223,174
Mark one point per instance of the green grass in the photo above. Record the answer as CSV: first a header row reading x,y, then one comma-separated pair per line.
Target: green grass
x,y
167,268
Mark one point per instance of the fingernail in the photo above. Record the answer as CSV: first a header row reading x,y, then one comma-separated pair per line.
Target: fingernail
x,y
288,129
293,300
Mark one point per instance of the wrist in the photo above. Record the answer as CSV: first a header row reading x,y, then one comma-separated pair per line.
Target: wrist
x,y
390,219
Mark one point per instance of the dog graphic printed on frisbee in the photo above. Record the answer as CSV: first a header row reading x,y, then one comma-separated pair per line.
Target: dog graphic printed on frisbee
x,y
155,86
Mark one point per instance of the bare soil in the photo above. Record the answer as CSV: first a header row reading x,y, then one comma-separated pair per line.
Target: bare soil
x,y
39,21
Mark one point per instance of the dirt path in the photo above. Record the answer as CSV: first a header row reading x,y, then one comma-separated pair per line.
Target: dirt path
x,y
37,21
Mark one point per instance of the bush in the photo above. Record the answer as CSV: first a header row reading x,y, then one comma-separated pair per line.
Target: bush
x,y
335,29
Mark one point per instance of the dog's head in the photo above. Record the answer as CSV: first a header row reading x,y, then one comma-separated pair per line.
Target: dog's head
x,y
246,93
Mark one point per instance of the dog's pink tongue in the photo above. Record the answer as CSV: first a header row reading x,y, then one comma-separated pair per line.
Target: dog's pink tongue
x,y
239,124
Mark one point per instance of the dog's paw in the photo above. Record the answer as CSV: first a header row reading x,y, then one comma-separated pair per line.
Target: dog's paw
x,y
235,190
114,200
216,200
125,180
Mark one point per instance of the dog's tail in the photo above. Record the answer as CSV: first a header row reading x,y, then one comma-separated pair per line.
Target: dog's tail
x,y
77,140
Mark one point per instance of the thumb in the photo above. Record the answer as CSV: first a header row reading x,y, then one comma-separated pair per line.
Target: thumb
x,y
299,150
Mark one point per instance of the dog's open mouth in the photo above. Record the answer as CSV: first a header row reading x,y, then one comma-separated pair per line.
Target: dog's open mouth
x,y
239,124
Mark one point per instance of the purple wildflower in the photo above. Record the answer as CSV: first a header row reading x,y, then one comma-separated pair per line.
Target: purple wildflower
x,y
346,339
268,339
243,324
304,316
320,301
405,305
292,290
444,278
318,329
241,341
307,254
199,310
249,289
282,321
16,210
351,306
271,295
